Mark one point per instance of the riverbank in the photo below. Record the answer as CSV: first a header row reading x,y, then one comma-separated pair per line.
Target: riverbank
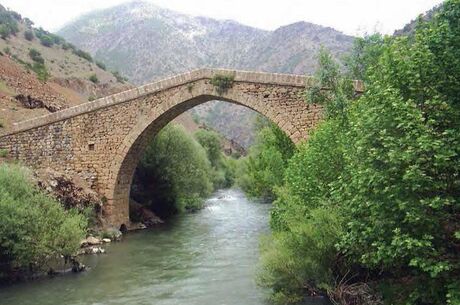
x,y
208,257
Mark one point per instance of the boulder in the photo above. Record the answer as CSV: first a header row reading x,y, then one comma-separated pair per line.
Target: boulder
x,y
93,241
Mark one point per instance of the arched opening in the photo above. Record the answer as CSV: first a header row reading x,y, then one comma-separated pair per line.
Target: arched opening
x,y
124,165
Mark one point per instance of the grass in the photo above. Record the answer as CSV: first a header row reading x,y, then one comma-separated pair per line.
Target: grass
x,y
5,89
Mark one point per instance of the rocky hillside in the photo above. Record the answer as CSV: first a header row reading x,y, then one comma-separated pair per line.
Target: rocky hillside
x,y
41,73
146,42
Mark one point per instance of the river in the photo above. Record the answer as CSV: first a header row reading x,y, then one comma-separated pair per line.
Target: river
x,y
205,258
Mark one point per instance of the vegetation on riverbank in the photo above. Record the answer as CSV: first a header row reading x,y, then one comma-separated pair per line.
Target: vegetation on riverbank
x,y
368,211
34,229
178,171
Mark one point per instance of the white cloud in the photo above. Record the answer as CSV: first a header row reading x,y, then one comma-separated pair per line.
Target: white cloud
x,y
350,16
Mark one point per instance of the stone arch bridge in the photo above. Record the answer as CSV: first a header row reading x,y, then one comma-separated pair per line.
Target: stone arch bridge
x,y
102,141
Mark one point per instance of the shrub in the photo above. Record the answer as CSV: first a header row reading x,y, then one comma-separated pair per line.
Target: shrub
x,y
101,65
40,70
119,78
35,229
46,40
222,83
8,24
82,54
94,78
36,56
29,35
3,152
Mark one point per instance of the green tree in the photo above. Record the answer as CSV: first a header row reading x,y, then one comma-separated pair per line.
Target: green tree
x,y
29,35
174,173
93,78
34,228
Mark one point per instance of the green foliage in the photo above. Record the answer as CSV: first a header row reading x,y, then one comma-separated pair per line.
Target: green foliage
x,y
330,89
8,23
29,35
222,83
299,261
36,56
93,78
263,169
174,174
101,65
223,174
3,152
83,54
40,70
34,228
386,168
46,40
119,77
365,54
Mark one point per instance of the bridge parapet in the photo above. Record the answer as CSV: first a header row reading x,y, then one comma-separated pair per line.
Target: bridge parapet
x,y
164,84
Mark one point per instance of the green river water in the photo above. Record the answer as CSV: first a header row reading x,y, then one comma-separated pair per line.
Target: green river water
x,y
204,258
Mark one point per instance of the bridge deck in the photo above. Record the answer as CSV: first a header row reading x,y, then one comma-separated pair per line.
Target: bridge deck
x,y
177,80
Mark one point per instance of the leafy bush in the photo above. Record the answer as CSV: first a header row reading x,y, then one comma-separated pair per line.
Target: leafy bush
x,y
83,54
36,56
224,168
263,169
40,70
34,229
300,261
3,152
46,40
101,65
174,173
8,24
222,83
119,78
94,78
29,35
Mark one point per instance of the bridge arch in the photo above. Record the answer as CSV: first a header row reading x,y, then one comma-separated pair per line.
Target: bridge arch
x,y
123,166
102,141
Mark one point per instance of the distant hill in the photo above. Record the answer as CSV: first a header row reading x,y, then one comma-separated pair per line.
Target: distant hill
x,y
409,28
146,43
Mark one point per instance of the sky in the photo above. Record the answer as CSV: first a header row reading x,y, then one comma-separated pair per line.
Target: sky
x,y
353,17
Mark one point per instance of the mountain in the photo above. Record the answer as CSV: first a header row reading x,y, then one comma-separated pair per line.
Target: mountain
x,y
409,28
146,43
41,73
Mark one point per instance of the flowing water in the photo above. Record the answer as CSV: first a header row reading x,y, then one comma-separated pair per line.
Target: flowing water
x,y
205,258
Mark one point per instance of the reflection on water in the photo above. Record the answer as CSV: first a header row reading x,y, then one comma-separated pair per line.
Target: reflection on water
x,y
205,258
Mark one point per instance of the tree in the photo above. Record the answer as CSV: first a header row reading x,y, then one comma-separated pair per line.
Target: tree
x,y
93,78
46,40
174,173
29,35
263,169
